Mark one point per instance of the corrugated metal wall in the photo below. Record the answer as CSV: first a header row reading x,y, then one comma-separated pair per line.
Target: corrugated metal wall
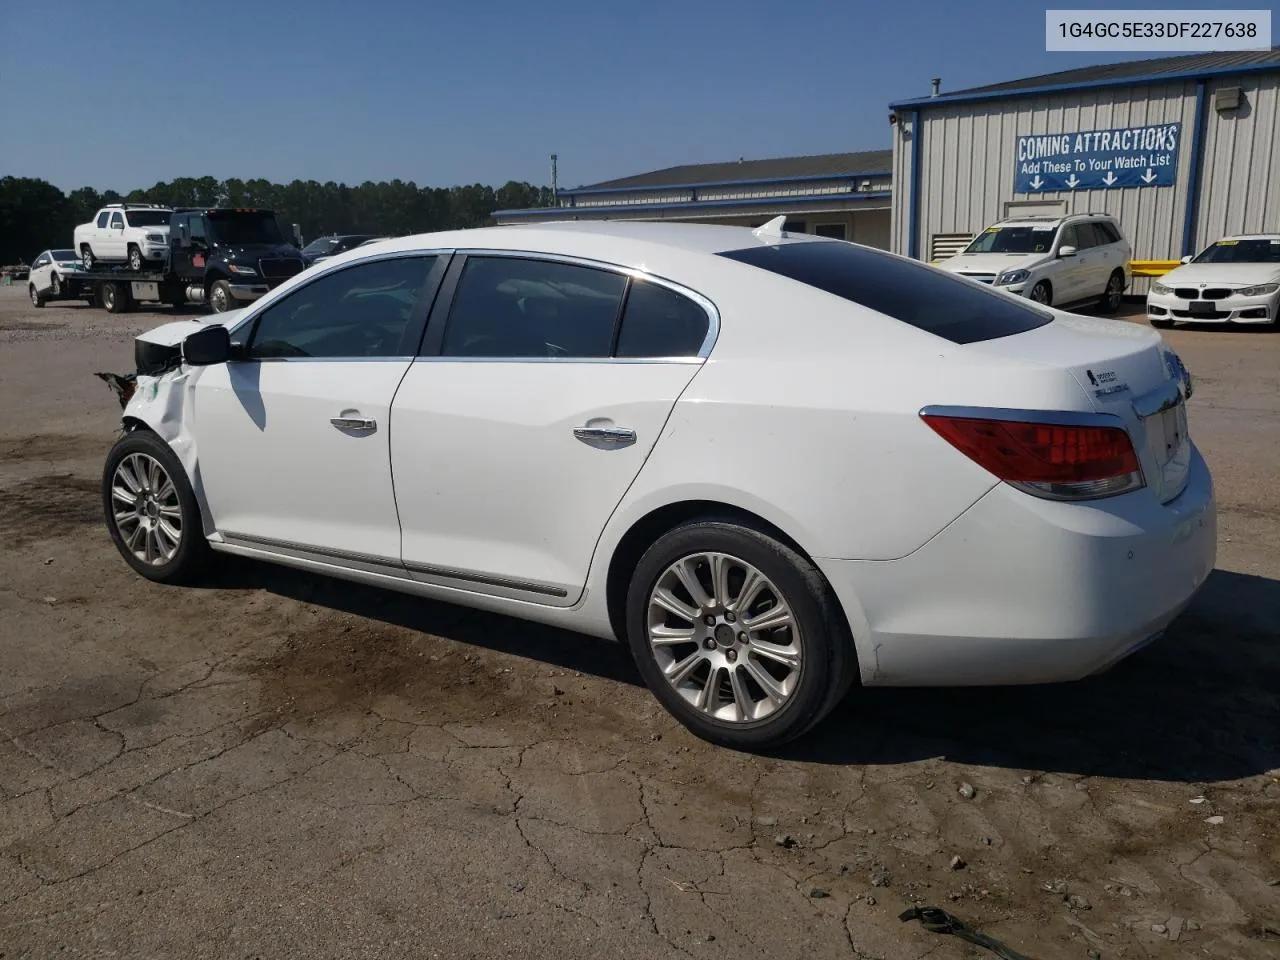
x,y
1241,185
968,162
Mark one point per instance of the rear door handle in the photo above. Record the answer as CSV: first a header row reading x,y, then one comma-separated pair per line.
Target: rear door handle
x,y
358,424
605,436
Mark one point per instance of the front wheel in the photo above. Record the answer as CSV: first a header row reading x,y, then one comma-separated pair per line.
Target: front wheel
x,y
135,258
1042,293
34,294
86,258
55,285
1114,293
220,299
737,635
151,511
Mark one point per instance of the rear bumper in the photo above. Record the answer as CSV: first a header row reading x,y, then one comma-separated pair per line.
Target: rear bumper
x,y
1019,590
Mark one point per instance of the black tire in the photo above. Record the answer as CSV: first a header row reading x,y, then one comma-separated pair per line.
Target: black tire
x,y
114,297
192,554
1042,292
828,661
220,298
55,285
34,294
87,259
1113,296
136,263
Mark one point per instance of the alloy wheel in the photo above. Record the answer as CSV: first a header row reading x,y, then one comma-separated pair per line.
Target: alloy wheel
x,y
1114,293
146,509
724,636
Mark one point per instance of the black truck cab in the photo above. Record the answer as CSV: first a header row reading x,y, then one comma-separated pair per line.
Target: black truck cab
x,y
234,255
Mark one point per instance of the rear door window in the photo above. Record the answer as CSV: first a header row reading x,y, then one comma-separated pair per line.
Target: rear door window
x,y
919,295
658,322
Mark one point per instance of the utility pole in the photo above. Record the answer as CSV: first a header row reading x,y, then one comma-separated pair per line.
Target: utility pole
x,y
555,197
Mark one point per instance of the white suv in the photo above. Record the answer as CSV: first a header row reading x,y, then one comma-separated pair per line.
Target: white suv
x,y
132,233
1057,261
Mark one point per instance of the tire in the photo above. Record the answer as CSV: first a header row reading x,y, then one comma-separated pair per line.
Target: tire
x,y
1042,293
143,483
55,285
220,298
1114,294
116,298
136,262
810,673
34,294
87,259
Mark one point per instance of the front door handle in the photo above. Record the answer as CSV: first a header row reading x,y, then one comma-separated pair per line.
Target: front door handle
x,y
605,436
358,424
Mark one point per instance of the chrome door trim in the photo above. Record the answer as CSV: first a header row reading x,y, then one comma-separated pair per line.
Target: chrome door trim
x,y
323,554
485,579
610,436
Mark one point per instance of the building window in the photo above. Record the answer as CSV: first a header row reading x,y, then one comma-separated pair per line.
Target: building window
x,y
832,231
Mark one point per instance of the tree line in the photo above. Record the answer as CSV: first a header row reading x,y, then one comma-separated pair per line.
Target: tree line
x,y
36,215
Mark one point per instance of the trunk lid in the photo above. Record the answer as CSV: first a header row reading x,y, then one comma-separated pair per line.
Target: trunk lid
x,y
1124,370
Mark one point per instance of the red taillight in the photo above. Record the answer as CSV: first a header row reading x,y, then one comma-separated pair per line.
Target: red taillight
x,y
1048,459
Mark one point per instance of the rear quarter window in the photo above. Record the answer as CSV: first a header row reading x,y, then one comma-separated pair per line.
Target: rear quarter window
x,y
924,297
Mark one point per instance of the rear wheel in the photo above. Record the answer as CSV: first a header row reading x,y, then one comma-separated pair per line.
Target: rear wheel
x,y
220,299
1114,294
135,258
115,297
86,258
151,511
737,635
34,294
1042,293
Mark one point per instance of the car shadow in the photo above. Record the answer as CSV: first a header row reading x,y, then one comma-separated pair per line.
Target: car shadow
x,y
1200,705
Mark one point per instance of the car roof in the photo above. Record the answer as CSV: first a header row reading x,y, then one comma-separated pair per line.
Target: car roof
x,y
1253,236
1044,221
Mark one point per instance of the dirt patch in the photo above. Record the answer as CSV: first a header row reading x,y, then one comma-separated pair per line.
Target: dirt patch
x,y
54,447
47,507
350,665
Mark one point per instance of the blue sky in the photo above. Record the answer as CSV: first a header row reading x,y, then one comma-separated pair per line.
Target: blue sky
x,y
121,95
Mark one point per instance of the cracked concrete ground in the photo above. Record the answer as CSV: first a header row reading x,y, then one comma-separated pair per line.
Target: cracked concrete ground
x,y
277,765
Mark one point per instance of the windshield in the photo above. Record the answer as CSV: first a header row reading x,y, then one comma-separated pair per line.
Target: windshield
x,y
925,297
1036,239
323,245
241,229
61,255
148,218
1242,251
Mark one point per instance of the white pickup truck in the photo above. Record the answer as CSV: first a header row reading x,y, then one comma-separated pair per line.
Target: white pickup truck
x,y
132,233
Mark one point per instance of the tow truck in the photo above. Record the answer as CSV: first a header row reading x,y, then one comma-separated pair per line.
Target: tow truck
x,y
225,257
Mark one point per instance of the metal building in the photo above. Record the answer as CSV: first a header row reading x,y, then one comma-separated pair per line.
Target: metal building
x,y
840,195
1182,150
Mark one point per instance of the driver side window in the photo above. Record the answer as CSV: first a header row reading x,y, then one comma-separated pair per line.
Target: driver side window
x,y
362,311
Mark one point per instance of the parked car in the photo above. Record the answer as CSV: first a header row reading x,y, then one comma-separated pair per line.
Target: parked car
x,y
53,277
322,248
1058,261
133,233
1235,280
773,464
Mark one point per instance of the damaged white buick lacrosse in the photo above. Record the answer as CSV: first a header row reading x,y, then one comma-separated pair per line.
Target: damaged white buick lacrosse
x,y
774,465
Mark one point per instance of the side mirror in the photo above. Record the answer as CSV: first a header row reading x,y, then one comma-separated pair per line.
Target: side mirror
x,y
1186,259
1067,251
207,347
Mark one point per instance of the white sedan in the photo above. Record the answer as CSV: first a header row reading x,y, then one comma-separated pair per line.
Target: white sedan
x,y
1236,280
54,276
774,465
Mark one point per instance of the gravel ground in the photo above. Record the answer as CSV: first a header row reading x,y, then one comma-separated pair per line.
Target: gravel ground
x,y
283,766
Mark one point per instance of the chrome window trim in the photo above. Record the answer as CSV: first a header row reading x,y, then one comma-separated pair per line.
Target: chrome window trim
x,y
634,273
267,300
1064,418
